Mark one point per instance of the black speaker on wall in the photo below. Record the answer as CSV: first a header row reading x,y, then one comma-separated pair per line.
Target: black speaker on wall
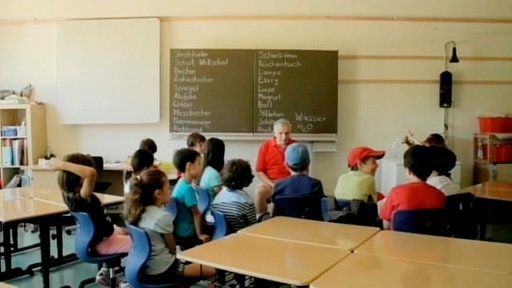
x,y
445,90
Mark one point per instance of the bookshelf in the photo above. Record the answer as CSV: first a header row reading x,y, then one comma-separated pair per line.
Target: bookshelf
x,y
489,150
23,138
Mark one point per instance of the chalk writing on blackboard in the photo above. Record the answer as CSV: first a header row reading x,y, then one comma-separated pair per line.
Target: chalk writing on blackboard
x,y
204,90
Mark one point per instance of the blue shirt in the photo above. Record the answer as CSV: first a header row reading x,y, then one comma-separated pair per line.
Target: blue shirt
x,y
210,180
186,196
298,185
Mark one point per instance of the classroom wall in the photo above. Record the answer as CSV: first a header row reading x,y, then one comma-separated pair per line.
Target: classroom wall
x,y
391,54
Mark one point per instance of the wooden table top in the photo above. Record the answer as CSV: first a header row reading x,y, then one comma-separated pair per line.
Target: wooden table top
x,y
312,232
277,260
54,195
472,254
491,190
27,208
364,270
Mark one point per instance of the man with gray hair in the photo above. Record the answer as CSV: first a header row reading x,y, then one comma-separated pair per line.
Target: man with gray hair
x,y
270,166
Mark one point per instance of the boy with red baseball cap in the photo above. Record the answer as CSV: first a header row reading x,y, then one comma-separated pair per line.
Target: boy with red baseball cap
x,y
359,183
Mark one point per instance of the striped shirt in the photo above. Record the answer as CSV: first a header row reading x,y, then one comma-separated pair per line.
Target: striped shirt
x,y
237,206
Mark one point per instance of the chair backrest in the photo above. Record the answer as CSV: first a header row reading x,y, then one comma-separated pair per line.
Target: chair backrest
x,y
138,256
422,221
221,227
307,207
327,204
84,236
463,218
203,199
172,208
97,163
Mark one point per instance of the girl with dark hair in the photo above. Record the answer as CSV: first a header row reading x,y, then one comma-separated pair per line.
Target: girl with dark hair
x,y
76,181
213,162
150,192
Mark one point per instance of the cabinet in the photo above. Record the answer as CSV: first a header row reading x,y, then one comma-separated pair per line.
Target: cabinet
x,y
489,150
393,174
23,138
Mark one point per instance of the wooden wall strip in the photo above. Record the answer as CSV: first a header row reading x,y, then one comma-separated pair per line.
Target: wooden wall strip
x,y
342,18
422,81
422,57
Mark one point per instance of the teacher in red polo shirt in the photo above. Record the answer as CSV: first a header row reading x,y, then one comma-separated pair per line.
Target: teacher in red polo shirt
x,y
271,166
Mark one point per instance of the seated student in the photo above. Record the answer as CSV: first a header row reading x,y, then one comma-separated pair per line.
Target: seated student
x,y
444,162
213,161
141,160
433,139
188,221
76,180
150,145
359,183
151,191
416,194
196,142
232,201
299,183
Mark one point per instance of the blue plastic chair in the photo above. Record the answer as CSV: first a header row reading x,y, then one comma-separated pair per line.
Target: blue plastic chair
x,y
136,262
87,253
173,207
434,221
203,199
306,207
221,227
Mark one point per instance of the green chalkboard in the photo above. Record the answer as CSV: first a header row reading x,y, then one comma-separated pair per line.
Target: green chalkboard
x,y
210,90
245,91
301,86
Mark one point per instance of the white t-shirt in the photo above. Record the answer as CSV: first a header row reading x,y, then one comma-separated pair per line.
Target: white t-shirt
x,y
444,184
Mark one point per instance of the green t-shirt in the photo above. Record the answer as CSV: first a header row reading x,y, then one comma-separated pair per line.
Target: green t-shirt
x,y
356,185
186,194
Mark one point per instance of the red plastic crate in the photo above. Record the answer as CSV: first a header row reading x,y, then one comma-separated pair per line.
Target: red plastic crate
x,y
503,153
495,124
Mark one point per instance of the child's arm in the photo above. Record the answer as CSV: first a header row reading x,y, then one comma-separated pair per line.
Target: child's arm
x,y
197,224
88,174
169,240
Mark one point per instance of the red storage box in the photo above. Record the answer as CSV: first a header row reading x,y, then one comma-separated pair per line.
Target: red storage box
x,y
503,153
495,124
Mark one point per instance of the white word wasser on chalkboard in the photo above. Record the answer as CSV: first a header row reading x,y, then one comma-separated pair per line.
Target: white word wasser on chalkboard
x,y
245,91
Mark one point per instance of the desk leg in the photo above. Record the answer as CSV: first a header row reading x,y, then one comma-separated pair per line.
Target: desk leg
x,y
44,233
9,272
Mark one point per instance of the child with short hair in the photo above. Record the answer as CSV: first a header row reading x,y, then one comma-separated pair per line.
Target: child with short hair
x,y
299,183
433,139
148,144
359,183
416,194
236,205
141,160
444,162
151,191
188,222
76,179
196,142
213,161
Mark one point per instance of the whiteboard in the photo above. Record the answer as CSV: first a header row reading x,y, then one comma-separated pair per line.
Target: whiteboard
x,y
108,71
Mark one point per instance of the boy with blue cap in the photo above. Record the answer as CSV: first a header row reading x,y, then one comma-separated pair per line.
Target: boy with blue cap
x,y
299,183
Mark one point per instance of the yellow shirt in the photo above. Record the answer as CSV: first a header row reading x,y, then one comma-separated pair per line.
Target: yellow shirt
x,y
356,185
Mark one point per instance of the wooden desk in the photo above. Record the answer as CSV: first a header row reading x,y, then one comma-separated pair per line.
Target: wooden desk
x,y
472,254
44,177
312,232
54,195
363,270
282,261
491,190
24,209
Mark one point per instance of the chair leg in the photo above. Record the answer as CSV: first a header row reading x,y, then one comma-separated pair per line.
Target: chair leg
x,y
113,279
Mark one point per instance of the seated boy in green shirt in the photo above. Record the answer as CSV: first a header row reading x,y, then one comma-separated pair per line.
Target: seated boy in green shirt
x,y
359,183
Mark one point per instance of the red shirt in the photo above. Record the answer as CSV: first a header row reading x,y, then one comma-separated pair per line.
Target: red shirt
x,y
271,160
415,195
